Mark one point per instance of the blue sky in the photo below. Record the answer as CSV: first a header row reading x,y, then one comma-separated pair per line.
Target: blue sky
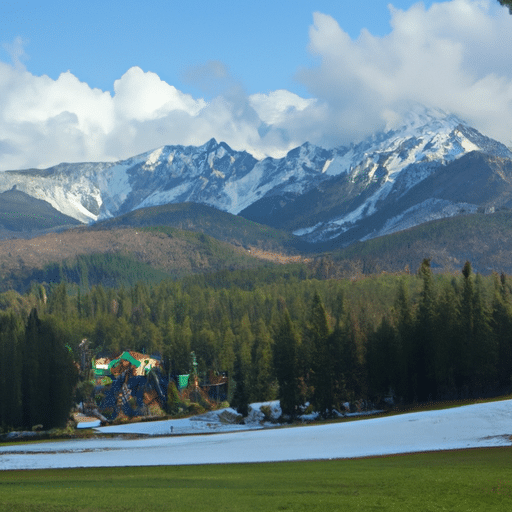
x,y
262,43
107,80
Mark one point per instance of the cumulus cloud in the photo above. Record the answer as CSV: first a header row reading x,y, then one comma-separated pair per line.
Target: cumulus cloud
x,y
454,56
44,121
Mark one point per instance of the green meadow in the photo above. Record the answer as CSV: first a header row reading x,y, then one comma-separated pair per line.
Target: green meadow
x,y
465,480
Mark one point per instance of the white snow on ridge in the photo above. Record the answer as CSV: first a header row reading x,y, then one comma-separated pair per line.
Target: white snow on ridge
x,y
430,209
471,426
153,159
94,191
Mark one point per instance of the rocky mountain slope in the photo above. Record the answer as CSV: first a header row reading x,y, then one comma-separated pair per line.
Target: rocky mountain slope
x,y
24,214
483,239
401,177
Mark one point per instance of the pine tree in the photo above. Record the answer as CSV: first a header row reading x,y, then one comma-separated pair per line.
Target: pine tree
x,y
322,367
48,376
285,365
240,397
227,355
448,337
262,363
466,355
502,333
404,320
424,354
33,384
11,353
382,359
337,342
62,376
353,367
484,375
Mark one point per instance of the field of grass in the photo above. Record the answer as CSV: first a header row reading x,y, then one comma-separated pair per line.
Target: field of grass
x,y
465,480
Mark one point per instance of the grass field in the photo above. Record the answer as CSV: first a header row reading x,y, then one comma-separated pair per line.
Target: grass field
x,y
465,480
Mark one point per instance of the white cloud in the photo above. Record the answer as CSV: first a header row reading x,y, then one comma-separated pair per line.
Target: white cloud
x,y
275,107
144,96
44,121
454,56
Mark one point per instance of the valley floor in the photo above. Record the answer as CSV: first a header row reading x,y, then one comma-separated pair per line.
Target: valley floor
x,y
471,426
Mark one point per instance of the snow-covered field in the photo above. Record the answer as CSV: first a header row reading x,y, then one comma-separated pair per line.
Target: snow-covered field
x,y
480,425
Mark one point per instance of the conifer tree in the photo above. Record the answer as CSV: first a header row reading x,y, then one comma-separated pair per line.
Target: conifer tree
x,y
261,363
11,354
424,354
353,370
32,382
240,397
227,355
322,363
285,365
62,376
382,359
405,344
483,358
502,332
448,334
466,328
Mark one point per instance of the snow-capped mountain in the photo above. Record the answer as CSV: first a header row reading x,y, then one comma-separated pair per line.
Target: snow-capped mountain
x,y
319,194
369,181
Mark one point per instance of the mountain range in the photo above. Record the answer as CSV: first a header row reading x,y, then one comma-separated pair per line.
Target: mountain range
x,y
433,166
314,200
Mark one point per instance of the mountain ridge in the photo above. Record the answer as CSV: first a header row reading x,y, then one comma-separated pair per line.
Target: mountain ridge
x,y
318,194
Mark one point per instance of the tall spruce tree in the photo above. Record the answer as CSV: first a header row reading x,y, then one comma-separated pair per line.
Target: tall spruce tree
x,y
48,376
353,358
467,348
322,363
502,332
424,355
240,397
448,334
286,365
483,363
33,383
12,337
382,359
404,320
261,363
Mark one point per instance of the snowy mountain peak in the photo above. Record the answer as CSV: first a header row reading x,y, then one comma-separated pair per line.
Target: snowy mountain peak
x,y
420,119
367,175
209,146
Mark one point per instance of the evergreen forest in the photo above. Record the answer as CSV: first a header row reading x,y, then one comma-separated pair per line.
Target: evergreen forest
x,y
279,331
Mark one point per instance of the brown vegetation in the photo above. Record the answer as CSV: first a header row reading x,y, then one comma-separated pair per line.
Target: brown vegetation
x,y
154,248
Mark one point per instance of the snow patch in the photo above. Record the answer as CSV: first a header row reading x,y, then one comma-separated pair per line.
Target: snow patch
x,y
153,159
430,209
326,165
470,426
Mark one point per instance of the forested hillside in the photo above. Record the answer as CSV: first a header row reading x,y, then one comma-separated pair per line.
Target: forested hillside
x,y
115,257
282,333
483,239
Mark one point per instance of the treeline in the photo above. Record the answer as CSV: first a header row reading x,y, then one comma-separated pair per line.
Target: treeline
x,y
453,341
86,270
281,333
37,373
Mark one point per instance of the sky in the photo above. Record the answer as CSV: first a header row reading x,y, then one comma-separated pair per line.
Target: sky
x,y
105,81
